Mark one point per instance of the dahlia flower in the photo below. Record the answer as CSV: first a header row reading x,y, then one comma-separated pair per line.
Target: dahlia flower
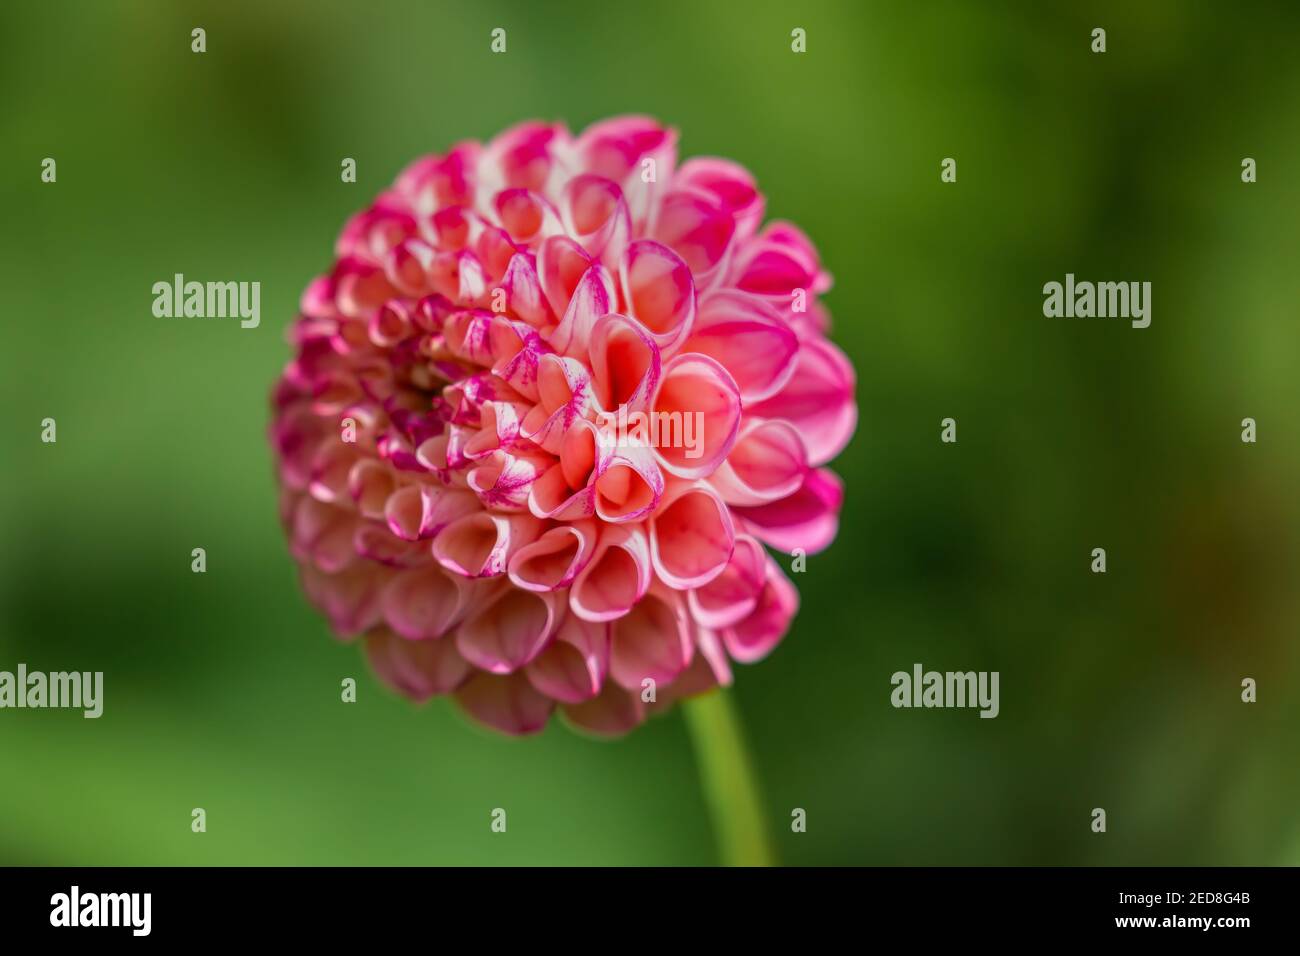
x,y
460,488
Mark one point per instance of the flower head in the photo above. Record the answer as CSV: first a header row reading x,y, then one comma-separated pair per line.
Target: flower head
x,y
547,408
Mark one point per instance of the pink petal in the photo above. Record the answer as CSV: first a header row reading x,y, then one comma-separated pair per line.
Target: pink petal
x,y
597,216
510,632
572,667
565,492
516,349
777,263
629,485
421,511
349,598
695,225
522,157
506,703
526,217
627,149
651,642
767,463
415,669
755,637
408,267
807,519
504,480
697,399
555,559
817,400
423,603
479,545
731,183
561,264
691,537
625,364
658,291
612,713
593,299
617,576
524,291
564,395
748,339
732,595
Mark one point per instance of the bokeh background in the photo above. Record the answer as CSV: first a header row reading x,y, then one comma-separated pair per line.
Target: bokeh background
x,y
1119,691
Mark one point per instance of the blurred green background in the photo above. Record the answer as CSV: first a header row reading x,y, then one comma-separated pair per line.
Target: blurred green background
x,y
1119,691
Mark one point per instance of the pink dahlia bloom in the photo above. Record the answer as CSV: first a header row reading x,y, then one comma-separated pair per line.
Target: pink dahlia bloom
x,y
549,405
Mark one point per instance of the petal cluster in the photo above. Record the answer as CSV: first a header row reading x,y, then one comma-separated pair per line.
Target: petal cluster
x,y
545,412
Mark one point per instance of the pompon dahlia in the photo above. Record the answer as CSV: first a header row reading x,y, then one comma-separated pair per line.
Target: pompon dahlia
x,y
547,408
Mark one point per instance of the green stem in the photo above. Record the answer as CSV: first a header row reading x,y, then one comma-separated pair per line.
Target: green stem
x,y
727,778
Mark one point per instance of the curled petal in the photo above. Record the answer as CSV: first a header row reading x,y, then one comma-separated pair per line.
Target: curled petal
x,y
754,637
360,287
408,266
593,299
421,511
691,536
817,401
350,598
450,228
749,340
778,263
323,534
479,545
731,183
635,152
377,543
767,463
612,713
652,642
415,669
498,428
523,157
572,667
564,396
565,491
469,336
329,473
555,559
433,182
504,480
597,216
617,576
658,291
629,484
516,351
625,364
458,276
807,519
526,216
510,631
561,264
695,225
508,703
423,603
523,291
697,406
733,594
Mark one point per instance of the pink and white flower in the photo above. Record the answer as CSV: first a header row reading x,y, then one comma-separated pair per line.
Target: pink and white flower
x,y
452,489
